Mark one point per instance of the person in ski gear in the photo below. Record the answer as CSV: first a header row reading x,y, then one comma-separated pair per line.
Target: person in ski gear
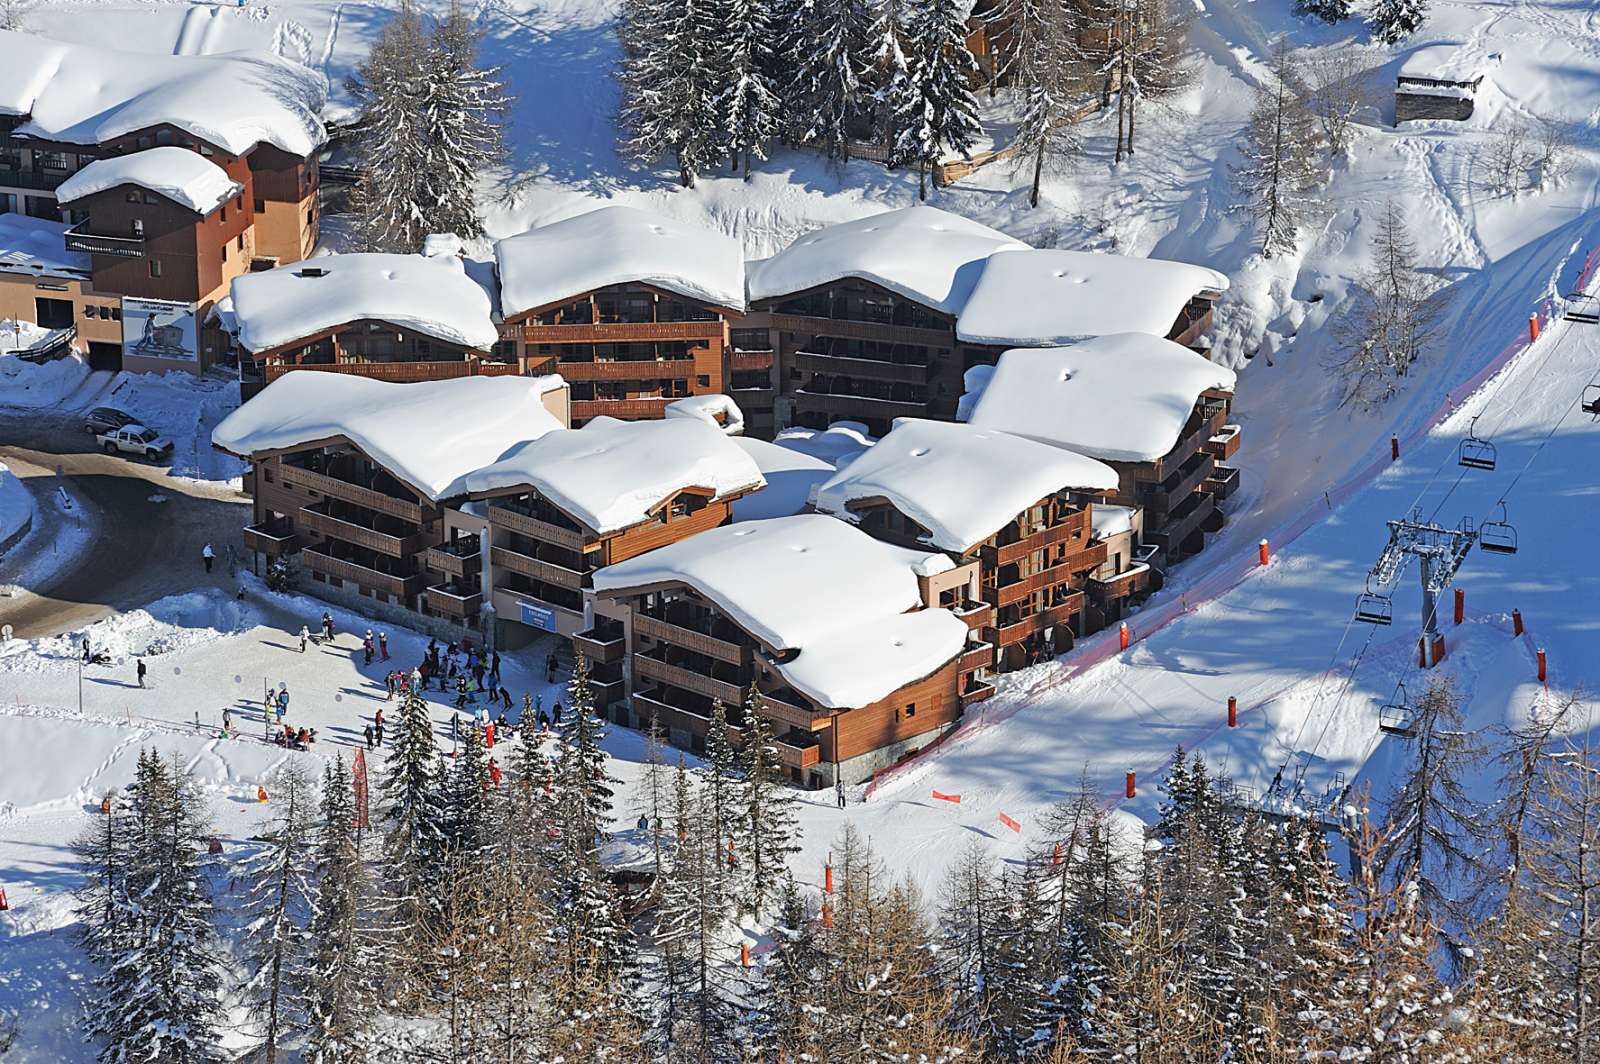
x,y
227,718
383,645
208,556
366,733
327,626
86,650
283,702
305,634
550,667
141,671
557,718
377,733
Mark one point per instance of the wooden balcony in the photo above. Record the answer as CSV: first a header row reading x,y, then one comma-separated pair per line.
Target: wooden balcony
x,y
689,639
1006,594
1183,522
119,247
404,587
360,535
533,528
443,600
980,656
792,714
534,569
863,330
749,360
795,756
857,406
866,368
975,614
1176,489
1225,444
648,668
1223,482
645,370
1055,615
394,372
1130,582
338,489
607,692
444,559
994,557
621,409
622,332
649,704
273,543
976,692
601,647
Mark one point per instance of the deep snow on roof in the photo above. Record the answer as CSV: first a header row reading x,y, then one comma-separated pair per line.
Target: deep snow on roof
x,y
790,476
80,94
183,176
817,585
1119,398
836,444
919,252
717,410
612,474
618,245
963,484
432,296
34,247
1045,297
429,434
1458,63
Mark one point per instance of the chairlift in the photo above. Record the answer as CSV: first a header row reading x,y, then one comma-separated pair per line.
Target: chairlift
x,y
1397,717
1373,608
1591,399
1498,537
1475,453
1583,309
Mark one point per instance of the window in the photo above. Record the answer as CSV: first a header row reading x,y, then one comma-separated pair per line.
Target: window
x,y
150,197
241,241
52,313
163,136
261,206
50,160
704,380
88,311
222,213
238,201
133,196
155,267
144,142
911,709
116,313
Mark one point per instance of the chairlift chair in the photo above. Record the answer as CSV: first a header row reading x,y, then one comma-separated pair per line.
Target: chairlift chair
x,y
1591,399
1475,453
1374,609
1498,537
1397,717
1583,309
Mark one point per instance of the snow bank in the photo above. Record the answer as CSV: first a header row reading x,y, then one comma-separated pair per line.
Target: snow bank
x,y
183,176
1120,398
35,247
34,385
16,508
719,411
618,245
819,586
432,296
1458,64
837,444
80,94
1046,297
790,476
962,484
920,252
429,434
613,474
1111,520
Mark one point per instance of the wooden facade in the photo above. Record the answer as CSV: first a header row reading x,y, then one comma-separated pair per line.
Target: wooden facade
x,y
368,347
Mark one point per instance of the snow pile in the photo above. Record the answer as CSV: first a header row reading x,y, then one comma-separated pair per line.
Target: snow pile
x,y
178,622
185,177
961,484
39,384
819,586
836,444
1111,520
920,252
613,474
432,296
34,247
79,94
429,434
16,507
555,263
790,475
1120,398
1046,297
19,337
717,410
1449,63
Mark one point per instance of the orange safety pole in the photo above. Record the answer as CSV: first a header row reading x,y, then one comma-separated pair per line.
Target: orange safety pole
x,y
744,954
1461,605
827,877
1130,788
1516,622
1124,637
1233,712
1265,552
1543,675
1533,327
1394,448
1438,649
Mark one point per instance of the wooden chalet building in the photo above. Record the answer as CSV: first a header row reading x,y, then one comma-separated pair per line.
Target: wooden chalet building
x,y
1020,510
554,510
87,136
1151,410
635,310
343,476
862,316
838,633
1440,83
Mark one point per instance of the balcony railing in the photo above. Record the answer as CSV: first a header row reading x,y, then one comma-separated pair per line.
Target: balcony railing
x,y
600,645
404,587
1225,444
977,693
689,639
621,332
1054,576
39,180
271,540
649,668
975,614
1172,492
1223,482
980,656
1059,614
653,369
1010,552
454,559
395,546
621,409
864,405
453,602
525,524
867,368
356,493
1183,522
122,247
749,360
799,755
534,569
1128,582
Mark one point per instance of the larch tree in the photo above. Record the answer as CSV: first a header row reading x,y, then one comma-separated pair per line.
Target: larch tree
x,y
14,14
788,1009
1149,60
1338,88
1392,21
933,109
1038,66
969,905
1280,157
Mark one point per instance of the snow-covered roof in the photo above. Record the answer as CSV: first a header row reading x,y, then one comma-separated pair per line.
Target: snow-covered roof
x,y
429,435
836,444
612,474
719,411
962,484
79,94
434,297
1109,519
183,176
790,476
1045,297
1460,64
618,245
920,252
817,585
34,247
1119,398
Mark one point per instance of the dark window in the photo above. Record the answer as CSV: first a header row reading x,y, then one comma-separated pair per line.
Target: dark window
x,y
261,206
704,379
163,136
911,709
52,313
155,267
150,197
222,215
144,142
88,311
238,201
116,313
241,241
133,196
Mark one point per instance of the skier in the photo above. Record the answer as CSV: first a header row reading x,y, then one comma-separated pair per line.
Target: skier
x,y
378,720
86,650
488,735
505,698
418,681
544,721
305,634
366,649
378,732
366,733
383,645
283,702
227,719
496,667
557,719
550,668
141,671
327,626
461,692
208,556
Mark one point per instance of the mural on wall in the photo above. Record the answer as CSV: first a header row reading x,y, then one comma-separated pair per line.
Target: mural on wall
x,y
156,328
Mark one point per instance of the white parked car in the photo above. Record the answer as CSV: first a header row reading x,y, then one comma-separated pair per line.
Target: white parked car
x,y
137,440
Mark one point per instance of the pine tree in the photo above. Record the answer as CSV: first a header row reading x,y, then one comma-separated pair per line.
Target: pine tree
x,y
1280,157
1329,11
789,1000
933,106
748,101
670,84
414,844
465,109
277,912
463,803
651,799
767,832
1020,1016
825,51
339,979
1392,21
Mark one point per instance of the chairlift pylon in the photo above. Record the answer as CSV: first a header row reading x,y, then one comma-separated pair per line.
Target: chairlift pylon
x,y
1374,608
1475,453
1498,537
1591,399
1583,309
1397,717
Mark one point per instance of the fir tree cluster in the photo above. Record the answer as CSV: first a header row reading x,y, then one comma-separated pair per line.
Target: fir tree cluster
x,y
1391,21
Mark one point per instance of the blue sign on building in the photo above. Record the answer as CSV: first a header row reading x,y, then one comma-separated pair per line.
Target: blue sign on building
x,y
538,616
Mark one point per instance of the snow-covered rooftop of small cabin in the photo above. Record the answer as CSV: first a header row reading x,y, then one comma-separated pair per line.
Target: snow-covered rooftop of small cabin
x,y
717,410
836,444
919,252
818,585
1459,63
429,434
612,474
34,247
1044,297
183,176
618,245
1119,398
962,484
434,297
79,94
790,476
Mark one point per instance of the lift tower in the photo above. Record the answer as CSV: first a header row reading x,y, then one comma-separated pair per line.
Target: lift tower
x,y
1439,552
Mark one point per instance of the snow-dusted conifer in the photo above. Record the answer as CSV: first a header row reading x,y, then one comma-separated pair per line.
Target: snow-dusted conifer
x,y
414,841
721,787
338,980
1392,21
792,988
465,108
1280,157
825,51
652,798
463,802
1038,64
670,83
1329,11
390,199
767,832
747,102
934,111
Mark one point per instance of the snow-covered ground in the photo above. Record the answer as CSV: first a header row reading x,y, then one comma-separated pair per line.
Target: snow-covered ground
x,y
16,508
